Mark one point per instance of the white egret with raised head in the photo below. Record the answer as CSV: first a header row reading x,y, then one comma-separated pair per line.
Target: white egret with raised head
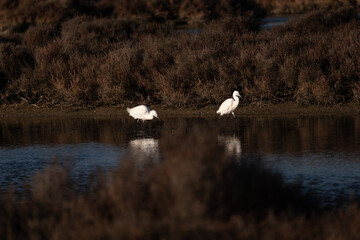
x,y
229,105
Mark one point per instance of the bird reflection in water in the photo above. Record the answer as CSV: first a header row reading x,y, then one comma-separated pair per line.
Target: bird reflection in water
x,y
145,151
232,145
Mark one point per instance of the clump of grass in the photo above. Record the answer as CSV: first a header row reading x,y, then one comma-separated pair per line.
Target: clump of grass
x,y
40,35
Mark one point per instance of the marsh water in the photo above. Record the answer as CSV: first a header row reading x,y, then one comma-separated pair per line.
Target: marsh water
x,y
320,152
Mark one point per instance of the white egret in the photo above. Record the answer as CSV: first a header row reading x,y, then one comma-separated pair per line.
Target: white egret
x,y
229,105
142,112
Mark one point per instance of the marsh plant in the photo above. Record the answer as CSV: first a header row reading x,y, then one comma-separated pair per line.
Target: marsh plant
x,y
91,60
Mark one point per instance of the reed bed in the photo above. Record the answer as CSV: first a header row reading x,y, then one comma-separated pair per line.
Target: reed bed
x,y
102,60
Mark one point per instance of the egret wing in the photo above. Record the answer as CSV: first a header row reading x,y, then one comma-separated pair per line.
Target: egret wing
x,y
138,111
225,107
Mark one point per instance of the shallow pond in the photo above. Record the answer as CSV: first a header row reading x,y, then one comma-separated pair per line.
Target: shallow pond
x,y
322,152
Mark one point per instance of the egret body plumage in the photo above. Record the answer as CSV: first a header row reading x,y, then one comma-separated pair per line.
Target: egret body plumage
x,y
142,112
229,105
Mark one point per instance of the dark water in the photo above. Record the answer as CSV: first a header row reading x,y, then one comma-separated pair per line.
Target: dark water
x,y
273,21
322,153
270,22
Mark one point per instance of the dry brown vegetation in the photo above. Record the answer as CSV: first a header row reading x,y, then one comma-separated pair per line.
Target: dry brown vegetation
x,y
194,11
301,6
195,192
47,11
104,59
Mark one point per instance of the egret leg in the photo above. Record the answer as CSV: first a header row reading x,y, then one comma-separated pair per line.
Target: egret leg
x,y
233,114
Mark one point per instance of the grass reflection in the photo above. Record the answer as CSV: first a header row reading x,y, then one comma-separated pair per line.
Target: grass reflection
x,y
196,191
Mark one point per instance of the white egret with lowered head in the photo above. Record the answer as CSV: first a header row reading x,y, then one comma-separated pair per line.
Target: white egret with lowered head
x,y
229,105
142,112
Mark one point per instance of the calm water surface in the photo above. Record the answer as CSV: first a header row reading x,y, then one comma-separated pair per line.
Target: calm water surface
x,y
322,153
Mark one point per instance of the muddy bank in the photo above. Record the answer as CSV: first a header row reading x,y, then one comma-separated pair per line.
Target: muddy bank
x,y
288,109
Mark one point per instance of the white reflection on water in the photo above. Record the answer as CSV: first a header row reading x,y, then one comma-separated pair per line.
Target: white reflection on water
x,y
144,150
322,152
232,145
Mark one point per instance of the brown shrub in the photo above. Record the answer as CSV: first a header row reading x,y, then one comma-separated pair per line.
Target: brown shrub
x,y
39,11
40,35
300,6
356,91
61,74
180,12
83,29
320,21
192,11
322,91
112,61
14,61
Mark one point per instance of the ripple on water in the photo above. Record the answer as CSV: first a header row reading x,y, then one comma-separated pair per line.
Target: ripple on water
x,y
18,164
329,175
